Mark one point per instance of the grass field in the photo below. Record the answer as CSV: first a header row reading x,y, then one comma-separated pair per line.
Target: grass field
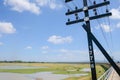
x,y
56,69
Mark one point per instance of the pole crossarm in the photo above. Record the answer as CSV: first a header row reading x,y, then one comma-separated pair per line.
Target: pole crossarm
x,y
89,18
90,36
117,69
89,7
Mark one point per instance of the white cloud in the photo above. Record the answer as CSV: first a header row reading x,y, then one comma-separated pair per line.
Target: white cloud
x,y
59,39
118,25
72,55
23,5
42,2
115,13
7,27
1,43
44,47
52,4
105,27
28,47
71,51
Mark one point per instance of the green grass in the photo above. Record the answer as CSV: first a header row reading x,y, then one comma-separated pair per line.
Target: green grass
x,y
27,71
56,69
100,71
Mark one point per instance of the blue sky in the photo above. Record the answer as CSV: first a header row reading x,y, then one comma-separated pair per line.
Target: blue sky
x,y
35,30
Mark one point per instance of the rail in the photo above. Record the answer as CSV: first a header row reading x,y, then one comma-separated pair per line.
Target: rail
x,y
106,75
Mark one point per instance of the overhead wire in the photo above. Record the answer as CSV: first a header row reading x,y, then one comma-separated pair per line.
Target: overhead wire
x,y
90,1
74,4
110,31
102,31
67,6
108,18
104,36
108,23
98,21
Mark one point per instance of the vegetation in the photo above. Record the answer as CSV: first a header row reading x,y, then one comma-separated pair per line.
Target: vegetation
x,y
56,68
100,71
105,66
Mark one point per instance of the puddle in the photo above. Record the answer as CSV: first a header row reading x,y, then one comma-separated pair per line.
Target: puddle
x,y
14,76
51,76
86,70
37,76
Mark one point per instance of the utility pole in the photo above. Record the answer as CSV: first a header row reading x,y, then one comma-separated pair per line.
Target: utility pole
x,y
90,44
90,36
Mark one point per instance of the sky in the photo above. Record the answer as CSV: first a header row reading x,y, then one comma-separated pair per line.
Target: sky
x,y
36,30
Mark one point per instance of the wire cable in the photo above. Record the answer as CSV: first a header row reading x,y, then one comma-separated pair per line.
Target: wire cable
x,y
102,31
104,36
110,31
70,7
67,6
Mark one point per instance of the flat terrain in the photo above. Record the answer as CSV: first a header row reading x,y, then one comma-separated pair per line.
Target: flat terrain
x,y
45,71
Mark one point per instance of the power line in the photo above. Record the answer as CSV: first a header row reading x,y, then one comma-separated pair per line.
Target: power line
x,y
90,36
66,5
101,29
110,31
70,9
111,38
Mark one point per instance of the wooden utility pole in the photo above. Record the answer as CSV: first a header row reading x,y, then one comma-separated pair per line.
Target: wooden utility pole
x,y
90,36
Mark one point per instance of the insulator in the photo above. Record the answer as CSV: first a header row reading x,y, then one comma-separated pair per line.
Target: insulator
x,y
94,9
107,10
76,14
68,10
96,13
68,20
77,17
94,2
105,0
76,7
